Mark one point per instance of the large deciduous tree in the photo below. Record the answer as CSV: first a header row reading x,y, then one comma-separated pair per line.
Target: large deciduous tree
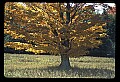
x,y
65,29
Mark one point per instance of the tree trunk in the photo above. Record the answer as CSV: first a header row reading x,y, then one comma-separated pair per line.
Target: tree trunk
x,y
68,13
65,63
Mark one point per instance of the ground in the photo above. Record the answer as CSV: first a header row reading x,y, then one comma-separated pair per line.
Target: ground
x,y
45,66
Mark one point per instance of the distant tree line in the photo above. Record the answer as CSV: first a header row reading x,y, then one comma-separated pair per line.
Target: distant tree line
x,y
107,49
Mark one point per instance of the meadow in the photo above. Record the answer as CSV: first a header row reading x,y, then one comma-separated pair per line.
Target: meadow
x,y
46,66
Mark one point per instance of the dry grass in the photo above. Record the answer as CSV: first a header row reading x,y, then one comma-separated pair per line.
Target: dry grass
x,y
45,66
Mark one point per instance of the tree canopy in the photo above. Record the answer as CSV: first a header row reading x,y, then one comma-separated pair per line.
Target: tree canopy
x,y
53,27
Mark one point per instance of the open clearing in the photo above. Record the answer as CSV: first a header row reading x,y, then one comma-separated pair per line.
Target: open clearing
x,y
45,66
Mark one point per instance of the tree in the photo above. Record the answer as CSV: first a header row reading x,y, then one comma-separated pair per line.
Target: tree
x,y
111,26
107,49
57,28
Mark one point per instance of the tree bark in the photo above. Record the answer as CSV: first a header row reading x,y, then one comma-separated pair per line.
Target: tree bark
x,y
68,13
65,63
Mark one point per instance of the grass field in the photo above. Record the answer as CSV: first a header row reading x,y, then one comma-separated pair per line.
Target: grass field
x,y
45,66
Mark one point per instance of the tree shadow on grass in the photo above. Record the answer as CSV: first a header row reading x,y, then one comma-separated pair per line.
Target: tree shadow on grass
x,y
51,72
83,72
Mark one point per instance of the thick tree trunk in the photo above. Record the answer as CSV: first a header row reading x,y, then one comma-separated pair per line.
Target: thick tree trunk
x,y
65,63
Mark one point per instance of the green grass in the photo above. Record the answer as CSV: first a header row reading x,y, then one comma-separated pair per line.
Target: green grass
x,y
45,66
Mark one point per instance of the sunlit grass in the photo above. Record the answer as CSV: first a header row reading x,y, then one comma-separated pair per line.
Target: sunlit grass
x,y
45,66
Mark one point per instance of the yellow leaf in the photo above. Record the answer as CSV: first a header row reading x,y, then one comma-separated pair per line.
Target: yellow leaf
x,y
89,22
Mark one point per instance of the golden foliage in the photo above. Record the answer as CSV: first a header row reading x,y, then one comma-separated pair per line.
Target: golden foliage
x,y
41,23
18,45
